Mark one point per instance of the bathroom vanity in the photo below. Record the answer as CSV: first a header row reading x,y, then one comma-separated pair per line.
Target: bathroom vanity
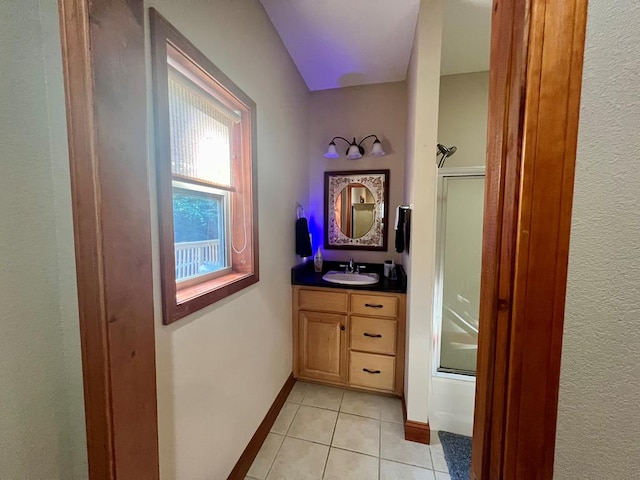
x,y
349,336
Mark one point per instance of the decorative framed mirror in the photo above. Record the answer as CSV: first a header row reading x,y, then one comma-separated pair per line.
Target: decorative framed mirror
x,y
356,210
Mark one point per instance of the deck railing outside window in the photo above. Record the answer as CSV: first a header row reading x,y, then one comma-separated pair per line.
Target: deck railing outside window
x,y
197,258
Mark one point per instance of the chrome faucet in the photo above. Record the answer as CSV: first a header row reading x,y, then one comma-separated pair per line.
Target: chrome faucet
x,y
351,267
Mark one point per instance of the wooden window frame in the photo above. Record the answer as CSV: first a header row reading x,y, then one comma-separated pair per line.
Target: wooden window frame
x,y
180,301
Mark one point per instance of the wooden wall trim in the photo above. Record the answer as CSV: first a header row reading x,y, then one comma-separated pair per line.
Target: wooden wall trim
x,y
535,79
74,28
415,431
253,447
504,136
554,79
106,120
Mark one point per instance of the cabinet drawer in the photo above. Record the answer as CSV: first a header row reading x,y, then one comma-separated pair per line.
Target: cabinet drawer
x,y
373,335
373,371
322,301
377,305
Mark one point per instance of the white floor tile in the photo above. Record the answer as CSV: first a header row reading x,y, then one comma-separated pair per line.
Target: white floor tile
x,y
363,404
297,392
313,424
435,438
284,419
299,460
399,471
358,434
442,476
392,410
394,447
323,397
438,460
265,457
343,465
359,426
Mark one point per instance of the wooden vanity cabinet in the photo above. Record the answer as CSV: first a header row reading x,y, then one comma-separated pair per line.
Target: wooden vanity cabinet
x,y
351,338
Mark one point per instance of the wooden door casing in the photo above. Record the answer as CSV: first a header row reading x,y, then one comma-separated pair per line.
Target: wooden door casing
x,y
106,124
535,80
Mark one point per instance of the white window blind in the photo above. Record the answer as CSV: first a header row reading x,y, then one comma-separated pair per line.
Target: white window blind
x,y
201,134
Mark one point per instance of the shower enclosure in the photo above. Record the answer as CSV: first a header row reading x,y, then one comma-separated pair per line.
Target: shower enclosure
x,y
458,263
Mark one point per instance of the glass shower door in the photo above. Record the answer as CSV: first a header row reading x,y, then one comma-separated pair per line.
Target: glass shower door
x,y
461,204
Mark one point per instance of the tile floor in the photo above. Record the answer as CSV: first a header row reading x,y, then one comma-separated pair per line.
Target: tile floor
x,y
325,433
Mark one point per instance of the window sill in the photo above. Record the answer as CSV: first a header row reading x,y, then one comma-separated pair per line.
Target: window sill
x,y
193,298
192,292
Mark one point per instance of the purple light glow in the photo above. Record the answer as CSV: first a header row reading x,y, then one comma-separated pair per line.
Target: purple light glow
x,y
316,231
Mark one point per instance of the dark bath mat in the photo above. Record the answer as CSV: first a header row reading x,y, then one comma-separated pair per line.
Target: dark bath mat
x,y
457,453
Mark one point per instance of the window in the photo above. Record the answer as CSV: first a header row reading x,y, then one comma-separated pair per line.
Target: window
x,y
206,166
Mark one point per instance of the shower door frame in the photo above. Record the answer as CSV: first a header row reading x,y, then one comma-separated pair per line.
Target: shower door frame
x,y
469,172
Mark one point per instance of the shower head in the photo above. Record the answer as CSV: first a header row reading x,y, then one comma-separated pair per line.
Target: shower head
x,y
445,152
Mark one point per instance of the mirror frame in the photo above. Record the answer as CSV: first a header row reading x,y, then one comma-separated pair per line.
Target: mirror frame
x,y
377,181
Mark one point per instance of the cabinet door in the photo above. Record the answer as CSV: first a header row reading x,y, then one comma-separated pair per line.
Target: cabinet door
x,y
322,346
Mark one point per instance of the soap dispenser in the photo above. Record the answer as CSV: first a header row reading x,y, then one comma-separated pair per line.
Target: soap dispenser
x,y
317,261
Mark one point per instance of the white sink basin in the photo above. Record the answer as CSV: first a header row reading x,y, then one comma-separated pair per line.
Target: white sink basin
x,y
345,278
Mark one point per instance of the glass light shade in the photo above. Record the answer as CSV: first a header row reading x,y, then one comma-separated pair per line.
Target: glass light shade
x,y
354,152
377,150
331,151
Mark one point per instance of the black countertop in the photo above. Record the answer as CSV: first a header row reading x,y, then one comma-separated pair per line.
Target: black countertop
x,y
304,274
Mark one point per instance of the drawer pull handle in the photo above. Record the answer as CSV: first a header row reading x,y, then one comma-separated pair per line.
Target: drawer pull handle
x,y
373,305
372,335
375,372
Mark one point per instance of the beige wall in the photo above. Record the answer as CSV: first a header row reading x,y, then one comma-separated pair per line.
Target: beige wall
x,y
598,418
220,369
41,403
357,112
423,80
462,121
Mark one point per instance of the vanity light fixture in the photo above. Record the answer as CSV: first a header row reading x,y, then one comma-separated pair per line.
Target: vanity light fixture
x,y
355,150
